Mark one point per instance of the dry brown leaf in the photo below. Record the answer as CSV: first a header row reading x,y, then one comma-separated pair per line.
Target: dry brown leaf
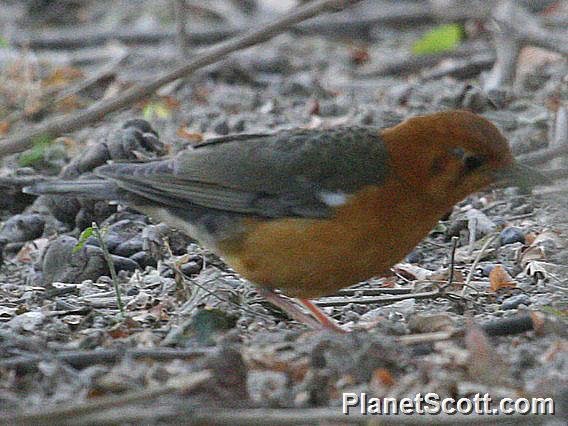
x,y
412,272
530,237
557,348
359,55
188,135
4,127
444,275
549,235
536,251
123,329
29,252
62,76
500,278
383,376
277,358
531,254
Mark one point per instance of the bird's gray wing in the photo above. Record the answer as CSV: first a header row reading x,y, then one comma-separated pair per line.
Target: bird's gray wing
x,y
286,174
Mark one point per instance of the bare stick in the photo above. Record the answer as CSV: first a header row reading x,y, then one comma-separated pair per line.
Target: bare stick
x,y
59,415
82,359
507,47
514,28
97,111
560,136
544,155
476,262
333,415
452,259
372,291
378,300
181,30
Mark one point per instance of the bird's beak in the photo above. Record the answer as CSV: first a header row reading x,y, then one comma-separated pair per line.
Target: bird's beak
x,y
519,175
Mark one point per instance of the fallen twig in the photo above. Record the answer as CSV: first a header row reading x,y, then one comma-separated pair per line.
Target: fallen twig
x,y
543,155
452,260
436,336
560,136
372,291
410,63
60,414
515,28
478,258
97,111
463,68
330,25
181,10
82,359
333,415
377,300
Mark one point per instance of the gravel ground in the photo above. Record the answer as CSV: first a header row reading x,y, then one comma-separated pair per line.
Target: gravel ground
x,y
64,342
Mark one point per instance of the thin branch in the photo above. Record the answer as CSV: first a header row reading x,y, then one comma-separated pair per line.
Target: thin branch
x,y
333,415
96,112
378,300
181,29
82,359
435,336
452,259
514,28
372,291
60,414
476,262
560,136
544,155
350,26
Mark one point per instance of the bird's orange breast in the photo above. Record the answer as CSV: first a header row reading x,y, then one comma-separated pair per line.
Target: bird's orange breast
x,y
376,228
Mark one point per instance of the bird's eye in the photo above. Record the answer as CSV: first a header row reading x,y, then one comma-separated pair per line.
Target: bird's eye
x,y
472,162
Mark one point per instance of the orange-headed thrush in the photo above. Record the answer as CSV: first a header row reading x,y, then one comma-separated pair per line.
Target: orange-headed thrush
x,y
310,211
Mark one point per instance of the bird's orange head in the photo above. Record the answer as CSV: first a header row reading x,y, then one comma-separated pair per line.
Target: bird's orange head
x,y
452,154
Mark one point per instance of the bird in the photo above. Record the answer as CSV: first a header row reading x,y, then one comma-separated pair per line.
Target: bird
x,y
307,212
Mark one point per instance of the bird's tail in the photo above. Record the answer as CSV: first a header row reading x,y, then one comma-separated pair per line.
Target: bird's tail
x,y
96,189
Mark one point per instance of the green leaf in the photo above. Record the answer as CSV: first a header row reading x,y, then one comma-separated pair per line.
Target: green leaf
x,y
85,235
440,39
156,110
555,312
3,43
37,152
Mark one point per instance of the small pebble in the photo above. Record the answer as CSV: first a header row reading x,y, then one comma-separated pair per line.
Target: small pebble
x,y
221,127
486,269
144,259
515,302
191,268
414,257
129,247
132,291
124,263
512,235
239,125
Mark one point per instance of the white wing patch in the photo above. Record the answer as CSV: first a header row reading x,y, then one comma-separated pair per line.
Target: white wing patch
x,y
333,198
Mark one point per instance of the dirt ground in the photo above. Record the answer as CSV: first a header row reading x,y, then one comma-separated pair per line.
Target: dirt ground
x,y
480,306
